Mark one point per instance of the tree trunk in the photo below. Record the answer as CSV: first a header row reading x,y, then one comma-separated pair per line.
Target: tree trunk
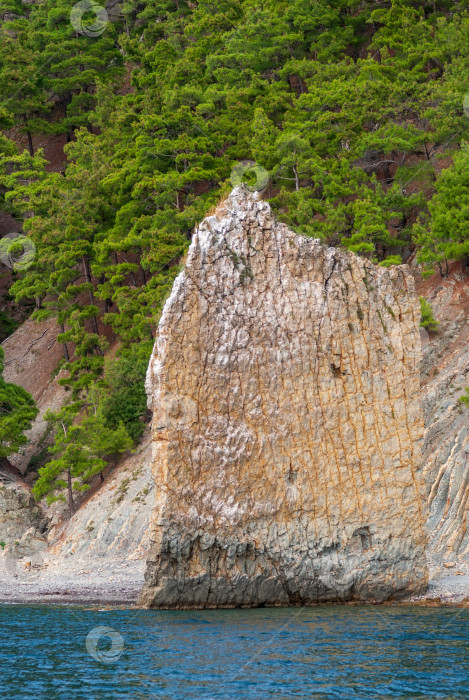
x,y
71,502
86,267
64,345
297,180
30,144
144,276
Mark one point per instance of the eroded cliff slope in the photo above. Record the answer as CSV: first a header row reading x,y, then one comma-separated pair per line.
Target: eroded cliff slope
x,y
99,554
445,376
287,423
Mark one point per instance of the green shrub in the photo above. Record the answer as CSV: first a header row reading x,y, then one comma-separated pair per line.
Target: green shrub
x,y
7,326
427,319
391,260
18,410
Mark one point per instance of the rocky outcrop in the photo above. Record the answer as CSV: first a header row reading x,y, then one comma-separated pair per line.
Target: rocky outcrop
x,y
21,519
445,375
287,423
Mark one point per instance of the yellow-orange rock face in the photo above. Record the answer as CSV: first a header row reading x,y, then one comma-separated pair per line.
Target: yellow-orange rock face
x,y
287,423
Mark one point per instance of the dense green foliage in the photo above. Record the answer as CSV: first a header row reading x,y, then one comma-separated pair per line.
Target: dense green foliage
x,y
447,236
7,325
349,105
124,400
17,412
339,100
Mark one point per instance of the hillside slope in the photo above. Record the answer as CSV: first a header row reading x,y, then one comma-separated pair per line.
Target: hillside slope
x,y
98,555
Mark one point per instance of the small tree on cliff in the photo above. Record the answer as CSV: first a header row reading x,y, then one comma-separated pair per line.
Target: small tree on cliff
x,y
17,412
82,451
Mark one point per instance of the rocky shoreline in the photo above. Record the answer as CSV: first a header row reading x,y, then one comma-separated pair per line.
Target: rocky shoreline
x,y
97,557
81,582
119,583
448,584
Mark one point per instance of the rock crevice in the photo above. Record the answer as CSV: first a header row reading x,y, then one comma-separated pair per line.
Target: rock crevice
x,y
287,423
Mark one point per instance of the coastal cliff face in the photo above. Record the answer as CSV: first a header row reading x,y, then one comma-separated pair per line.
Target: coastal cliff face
x,y
287,423
445,375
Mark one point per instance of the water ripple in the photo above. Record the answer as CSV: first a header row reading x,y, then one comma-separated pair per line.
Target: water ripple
x,y
326,652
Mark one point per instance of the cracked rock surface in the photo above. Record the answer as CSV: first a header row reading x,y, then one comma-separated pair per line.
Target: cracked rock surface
x,y
20,518
445,376
287,423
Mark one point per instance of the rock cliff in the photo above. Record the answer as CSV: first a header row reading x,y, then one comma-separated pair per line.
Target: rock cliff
x,y
287,423
445,375
32,355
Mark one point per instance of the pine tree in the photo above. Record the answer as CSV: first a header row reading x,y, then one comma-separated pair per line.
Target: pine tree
x,y
21,92
84,446
63,229
71,64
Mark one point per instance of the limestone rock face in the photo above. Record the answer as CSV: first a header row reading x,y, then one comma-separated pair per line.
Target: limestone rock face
x,y
287,423
445,376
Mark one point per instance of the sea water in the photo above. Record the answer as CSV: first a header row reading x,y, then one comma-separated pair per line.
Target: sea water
x,y
324,652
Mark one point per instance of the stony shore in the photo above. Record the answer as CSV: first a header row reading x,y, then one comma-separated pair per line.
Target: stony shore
x,y
448,585
79,582
119,582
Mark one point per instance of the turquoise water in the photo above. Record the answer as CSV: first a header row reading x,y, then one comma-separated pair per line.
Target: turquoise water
x,y
325,652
